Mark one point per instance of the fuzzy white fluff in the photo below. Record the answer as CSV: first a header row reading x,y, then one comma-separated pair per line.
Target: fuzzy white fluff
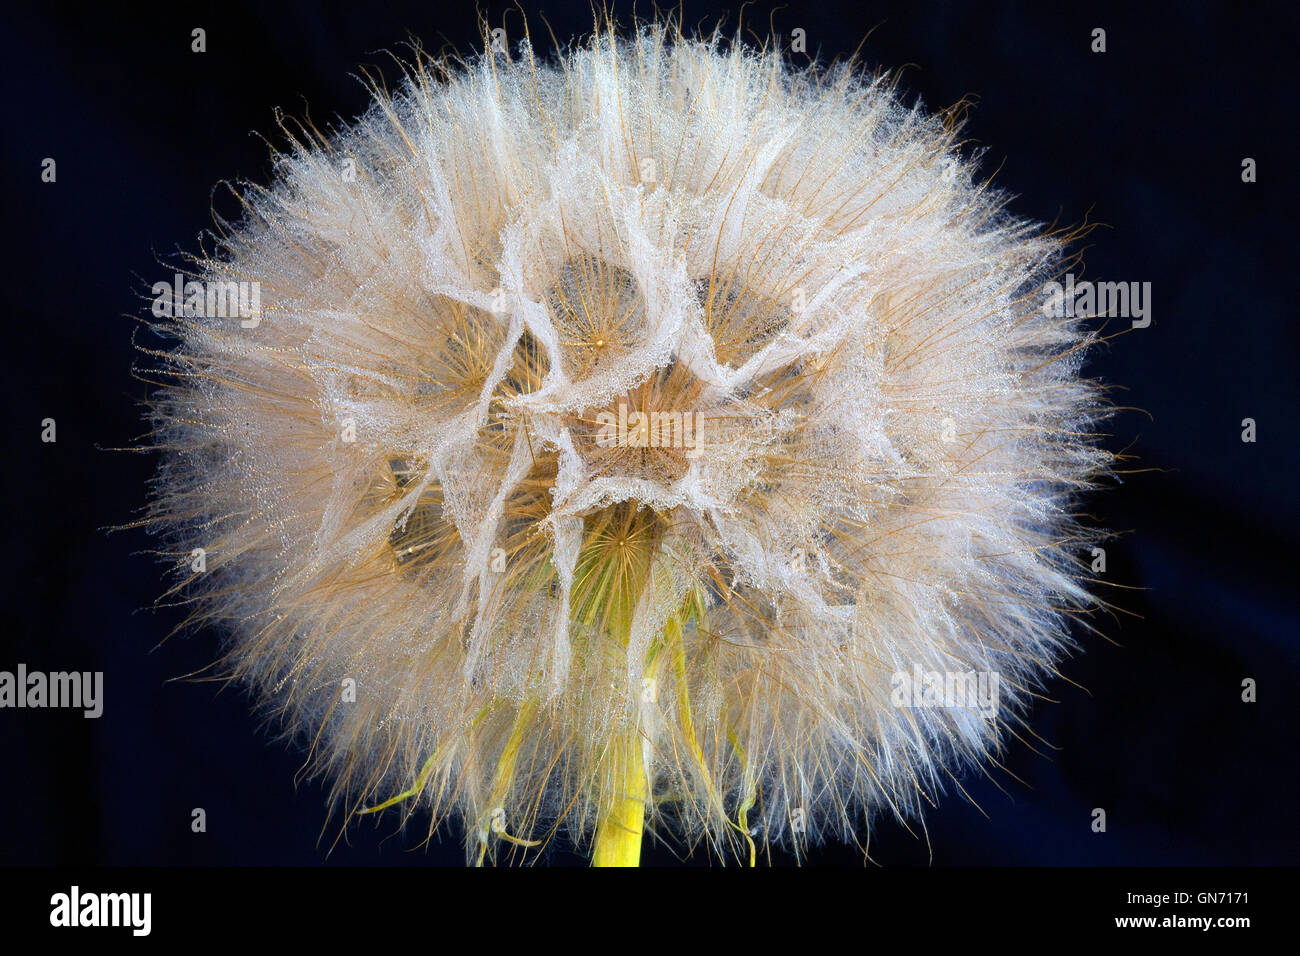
x,y
894,435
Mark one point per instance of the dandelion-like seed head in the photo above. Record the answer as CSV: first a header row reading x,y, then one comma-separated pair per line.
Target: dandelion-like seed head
x,y
614,432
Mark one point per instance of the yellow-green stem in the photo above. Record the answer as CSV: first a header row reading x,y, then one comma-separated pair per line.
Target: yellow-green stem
x,y
622,813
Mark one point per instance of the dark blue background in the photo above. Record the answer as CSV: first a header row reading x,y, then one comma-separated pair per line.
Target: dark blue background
x,y
1147,139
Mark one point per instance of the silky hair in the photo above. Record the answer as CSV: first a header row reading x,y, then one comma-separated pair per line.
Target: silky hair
x,y
435,569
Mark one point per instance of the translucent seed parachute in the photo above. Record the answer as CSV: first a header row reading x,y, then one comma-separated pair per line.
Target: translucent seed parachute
x,y
613,431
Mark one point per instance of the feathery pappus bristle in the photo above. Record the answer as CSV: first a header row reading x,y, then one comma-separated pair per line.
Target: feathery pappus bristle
x,y
659,430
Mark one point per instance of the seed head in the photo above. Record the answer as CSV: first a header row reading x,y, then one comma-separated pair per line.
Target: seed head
x,y
629,424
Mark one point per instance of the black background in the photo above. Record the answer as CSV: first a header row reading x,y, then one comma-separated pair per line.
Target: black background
x,y
1147,139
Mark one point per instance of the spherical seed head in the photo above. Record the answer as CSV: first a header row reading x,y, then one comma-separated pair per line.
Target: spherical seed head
x,y
662,393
